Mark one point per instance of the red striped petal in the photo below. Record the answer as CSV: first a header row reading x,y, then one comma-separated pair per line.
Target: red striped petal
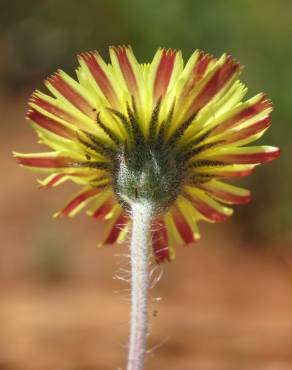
x,y
164,72
104,209
249,131
249,158
202,64
126,68
243,115
197,73
93,62
54,109
46,162
70,94
226,196
182,226
78,200
215,84
116,229
54,180
51,124
160,241
230,170
235,173
208,211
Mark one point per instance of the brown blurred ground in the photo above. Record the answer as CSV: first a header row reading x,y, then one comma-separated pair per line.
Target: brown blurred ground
x,y
226,305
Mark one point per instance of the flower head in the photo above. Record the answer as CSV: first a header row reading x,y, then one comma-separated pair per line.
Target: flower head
x,y
164,132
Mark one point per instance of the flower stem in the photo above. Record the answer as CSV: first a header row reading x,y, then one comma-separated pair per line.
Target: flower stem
x,y
141,216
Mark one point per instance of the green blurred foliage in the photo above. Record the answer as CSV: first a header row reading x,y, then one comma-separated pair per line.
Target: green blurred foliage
x,y
37,37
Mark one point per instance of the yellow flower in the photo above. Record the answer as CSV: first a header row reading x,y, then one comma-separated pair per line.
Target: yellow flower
x,y
164,132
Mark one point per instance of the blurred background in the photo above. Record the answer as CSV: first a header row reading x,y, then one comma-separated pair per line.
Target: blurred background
x,y
227,301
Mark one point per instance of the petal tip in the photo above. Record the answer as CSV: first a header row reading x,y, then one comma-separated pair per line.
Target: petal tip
x,y
270,154
18,158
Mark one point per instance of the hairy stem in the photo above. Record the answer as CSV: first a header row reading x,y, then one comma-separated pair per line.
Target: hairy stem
x,y
141,216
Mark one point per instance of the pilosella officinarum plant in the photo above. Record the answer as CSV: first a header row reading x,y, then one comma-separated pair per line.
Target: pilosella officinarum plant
x,y
151,146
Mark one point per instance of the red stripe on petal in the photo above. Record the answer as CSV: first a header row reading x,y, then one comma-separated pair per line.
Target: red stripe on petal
x,y
160,241
235,173
51,124
183,227
70,94
78,200
202,64
249,131
250,158
104,209
117,227
91,60
54,180
164,72
126,68
46,162
244,115
215,84
53,109
208,211
198,72
226,196
59,176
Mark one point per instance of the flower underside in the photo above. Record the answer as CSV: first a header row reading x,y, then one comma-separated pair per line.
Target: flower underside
x,y
163,133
